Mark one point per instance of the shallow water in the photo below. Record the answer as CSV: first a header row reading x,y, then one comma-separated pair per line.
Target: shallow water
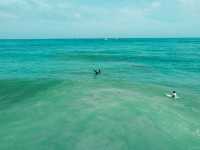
x,y
50,98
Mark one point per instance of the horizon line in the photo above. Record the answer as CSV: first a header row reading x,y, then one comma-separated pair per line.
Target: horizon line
x,y
93,38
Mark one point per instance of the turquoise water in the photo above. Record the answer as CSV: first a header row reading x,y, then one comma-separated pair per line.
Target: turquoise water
x,y
51,100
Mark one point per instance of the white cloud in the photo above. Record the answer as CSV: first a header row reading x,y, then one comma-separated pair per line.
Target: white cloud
x,y
62,9
155,4
77,15
190,6
141,11
5,15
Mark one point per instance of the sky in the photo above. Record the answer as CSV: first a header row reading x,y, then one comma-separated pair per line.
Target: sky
x,y
99,18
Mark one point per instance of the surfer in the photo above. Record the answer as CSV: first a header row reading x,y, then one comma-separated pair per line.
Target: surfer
x,y
174,94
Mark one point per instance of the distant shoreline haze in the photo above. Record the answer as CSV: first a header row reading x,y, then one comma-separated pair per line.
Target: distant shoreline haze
x,y
100,38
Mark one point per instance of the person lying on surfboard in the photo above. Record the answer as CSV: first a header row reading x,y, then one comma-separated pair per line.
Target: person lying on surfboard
x,y
174,94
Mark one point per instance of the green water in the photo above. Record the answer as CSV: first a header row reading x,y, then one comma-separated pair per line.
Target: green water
x,y
51,100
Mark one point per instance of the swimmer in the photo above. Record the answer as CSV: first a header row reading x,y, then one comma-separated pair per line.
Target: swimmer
x,y
97,72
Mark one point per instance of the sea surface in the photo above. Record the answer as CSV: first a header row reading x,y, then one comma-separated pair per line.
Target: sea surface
x,y
50,98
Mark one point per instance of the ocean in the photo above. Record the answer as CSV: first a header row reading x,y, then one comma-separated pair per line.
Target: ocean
x,y
50,98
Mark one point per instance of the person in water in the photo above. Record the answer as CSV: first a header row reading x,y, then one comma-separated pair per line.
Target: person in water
x,y
97,72
174,94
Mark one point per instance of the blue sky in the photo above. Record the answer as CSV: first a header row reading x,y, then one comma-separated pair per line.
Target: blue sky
x,y
98,18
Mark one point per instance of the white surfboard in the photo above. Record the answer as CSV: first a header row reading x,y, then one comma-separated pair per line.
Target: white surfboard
x,y
169,95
